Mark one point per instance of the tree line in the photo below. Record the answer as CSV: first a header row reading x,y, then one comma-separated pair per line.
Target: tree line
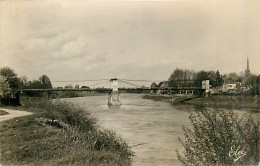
x,y
190,78
11,84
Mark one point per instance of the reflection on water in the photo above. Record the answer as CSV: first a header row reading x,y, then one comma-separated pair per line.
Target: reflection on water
x,y
151,127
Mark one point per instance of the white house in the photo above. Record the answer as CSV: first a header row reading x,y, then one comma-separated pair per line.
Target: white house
x,y
229,87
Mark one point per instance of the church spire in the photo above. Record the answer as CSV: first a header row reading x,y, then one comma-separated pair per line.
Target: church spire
x,y
247,67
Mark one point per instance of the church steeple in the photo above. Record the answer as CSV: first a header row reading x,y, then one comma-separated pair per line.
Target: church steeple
x,y
247,67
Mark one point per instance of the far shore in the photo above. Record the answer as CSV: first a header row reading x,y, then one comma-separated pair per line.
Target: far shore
x,y
249,103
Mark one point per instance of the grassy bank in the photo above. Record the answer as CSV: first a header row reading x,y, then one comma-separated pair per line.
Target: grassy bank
x,y
71,94
220,101
229,102
59,134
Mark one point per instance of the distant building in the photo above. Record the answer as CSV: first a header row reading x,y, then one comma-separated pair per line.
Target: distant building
x,y
229,87
238,86
85,87
68,87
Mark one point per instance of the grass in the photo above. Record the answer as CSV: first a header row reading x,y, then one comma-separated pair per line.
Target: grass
x,y
59,134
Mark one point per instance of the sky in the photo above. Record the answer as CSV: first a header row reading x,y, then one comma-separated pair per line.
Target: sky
x,y
80,40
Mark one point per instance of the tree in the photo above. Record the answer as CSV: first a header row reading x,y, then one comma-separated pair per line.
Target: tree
x,y
45,81
213,77
219,80
254,84
23,81
4,86
160,84
7,72
35,84
221,138
181,77
258,85
202,75
42,83
11,78
231,78
153,85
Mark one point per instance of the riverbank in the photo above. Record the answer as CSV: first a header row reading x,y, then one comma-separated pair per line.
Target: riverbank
x,y
72,94
217,101
59,134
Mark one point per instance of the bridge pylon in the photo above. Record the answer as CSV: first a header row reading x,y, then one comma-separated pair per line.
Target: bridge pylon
x,y
113,95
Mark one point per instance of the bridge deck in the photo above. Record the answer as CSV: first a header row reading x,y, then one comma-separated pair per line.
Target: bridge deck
x,y
166,88
155,88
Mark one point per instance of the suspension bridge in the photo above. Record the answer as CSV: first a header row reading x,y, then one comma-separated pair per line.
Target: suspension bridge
x,y
129,86
113,91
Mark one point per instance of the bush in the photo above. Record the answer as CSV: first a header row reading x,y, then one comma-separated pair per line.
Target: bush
x,y
220,138
35,102
83,128
70,94
71,114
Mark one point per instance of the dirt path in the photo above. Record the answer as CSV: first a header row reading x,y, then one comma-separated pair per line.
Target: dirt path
x,y
12,114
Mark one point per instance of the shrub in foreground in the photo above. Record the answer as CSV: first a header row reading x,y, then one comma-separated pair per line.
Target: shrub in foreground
x,y
220,138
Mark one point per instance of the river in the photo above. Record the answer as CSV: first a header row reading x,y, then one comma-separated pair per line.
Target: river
x,y
151,127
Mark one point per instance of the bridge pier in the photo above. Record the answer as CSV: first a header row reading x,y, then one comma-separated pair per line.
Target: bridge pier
x,y
113,95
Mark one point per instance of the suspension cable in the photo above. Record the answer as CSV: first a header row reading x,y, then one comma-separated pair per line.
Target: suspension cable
x,y
125,84
81,80
143,80
130,83
99,83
